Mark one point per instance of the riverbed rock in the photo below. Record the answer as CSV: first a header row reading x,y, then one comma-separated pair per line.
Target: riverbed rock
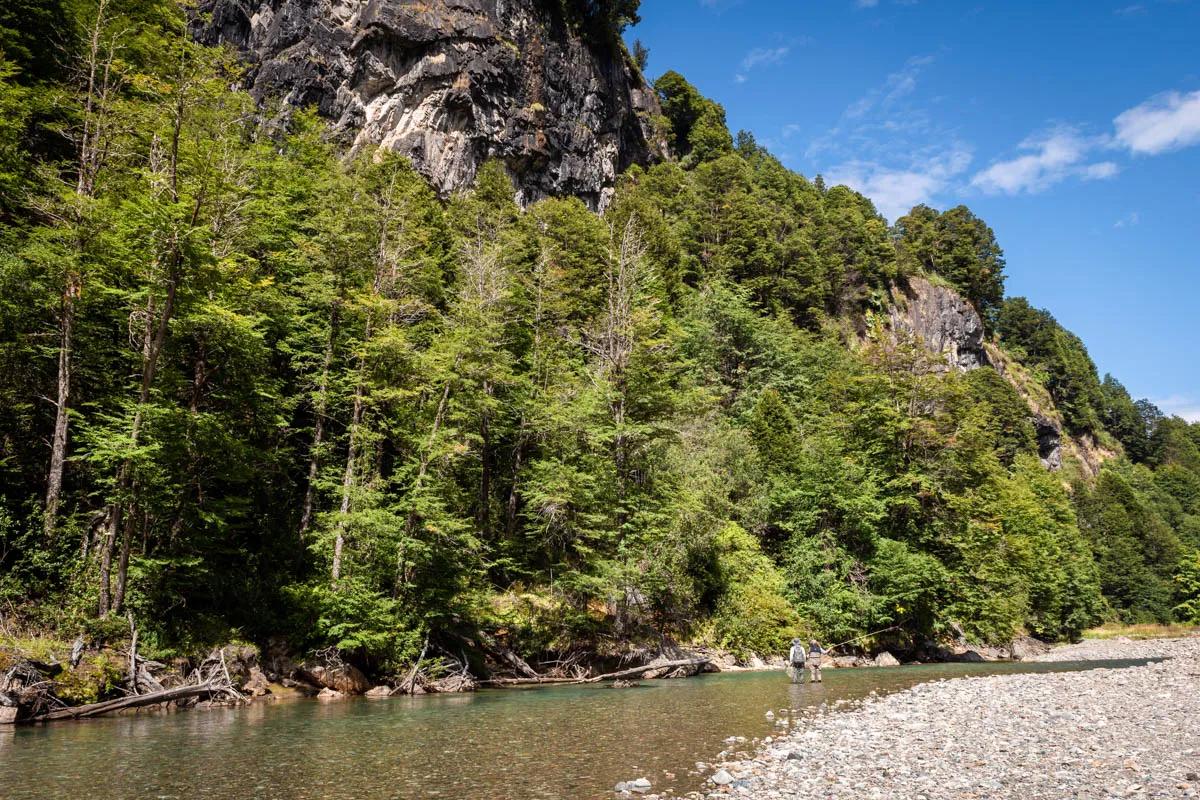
x,y
330,694
451,84
256,683
379,691
721,778
1092,735
886,659
334,674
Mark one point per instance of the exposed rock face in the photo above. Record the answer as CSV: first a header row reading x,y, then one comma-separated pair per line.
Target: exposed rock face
x,y
452,83
1049,439
942,319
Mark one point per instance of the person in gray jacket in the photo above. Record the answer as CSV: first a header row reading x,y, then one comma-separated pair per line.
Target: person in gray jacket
x,y
796,660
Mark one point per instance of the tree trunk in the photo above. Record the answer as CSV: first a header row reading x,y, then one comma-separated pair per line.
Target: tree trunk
x,y
339,542
123,564
58,446
133,701
318,426
510,507
88,163
485,463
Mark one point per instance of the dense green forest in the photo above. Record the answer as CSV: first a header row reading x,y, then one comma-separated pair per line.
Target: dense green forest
x,y
252,385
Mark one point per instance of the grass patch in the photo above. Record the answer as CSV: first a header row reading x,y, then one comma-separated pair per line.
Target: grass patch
x,y
1112,630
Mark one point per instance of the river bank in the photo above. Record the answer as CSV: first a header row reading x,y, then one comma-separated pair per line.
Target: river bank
x,y
1102,733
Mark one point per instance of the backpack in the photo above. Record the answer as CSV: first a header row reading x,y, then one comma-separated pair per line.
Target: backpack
x,y
796,656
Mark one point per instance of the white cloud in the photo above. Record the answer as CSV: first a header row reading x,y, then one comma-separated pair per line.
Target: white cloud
x,y
1128,221
866,3
760,57
1169,121
1180,406
1050,158
894,191
1126,11
897,85
1100,171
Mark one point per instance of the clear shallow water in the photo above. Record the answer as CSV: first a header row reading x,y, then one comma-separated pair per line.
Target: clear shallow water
x,y
553,742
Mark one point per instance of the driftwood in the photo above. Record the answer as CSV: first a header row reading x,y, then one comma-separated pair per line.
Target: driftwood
x,y
608,676
526,681
634,671
407,686
133,701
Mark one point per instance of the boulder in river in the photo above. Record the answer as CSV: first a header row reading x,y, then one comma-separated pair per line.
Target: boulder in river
x,y
886,659
256,683
334,674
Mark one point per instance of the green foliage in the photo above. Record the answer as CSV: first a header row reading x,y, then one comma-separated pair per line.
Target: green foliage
x,y
1070,374
698,129
1187,589
751,614
640,54
602,19
1007,415
1136,551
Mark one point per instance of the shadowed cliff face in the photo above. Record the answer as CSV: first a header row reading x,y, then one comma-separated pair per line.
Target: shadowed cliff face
x,y
942,319
451,84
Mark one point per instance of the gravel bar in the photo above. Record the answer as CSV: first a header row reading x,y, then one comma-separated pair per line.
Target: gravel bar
x,y
1103,733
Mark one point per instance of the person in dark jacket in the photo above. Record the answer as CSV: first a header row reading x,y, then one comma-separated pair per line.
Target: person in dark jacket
x,y
815,652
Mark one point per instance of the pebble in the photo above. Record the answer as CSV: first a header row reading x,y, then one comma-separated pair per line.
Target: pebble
x,y
1094,734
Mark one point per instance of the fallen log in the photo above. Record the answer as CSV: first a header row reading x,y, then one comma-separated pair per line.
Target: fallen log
x,y
608,676
526,681
133,701
634,671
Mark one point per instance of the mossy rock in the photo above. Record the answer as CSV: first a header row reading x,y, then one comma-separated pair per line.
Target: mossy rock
x,y
97,676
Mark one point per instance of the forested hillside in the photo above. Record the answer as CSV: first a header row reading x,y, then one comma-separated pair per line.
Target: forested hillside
x,y
254,385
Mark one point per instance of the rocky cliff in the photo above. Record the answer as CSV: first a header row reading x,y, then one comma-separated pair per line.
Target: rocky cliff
x,y
453,83
939,317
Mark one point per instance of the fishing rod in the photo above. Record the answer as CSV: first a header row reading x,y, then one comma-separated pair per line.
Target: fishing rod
x,y
864,636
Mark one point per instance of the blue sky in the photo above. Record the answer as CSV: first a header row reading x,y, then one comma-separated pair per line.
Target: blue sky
x,y
1073,128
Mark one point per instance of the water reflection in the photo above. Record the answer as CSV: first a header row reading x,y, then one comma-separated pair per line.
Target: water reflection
x,y
571,741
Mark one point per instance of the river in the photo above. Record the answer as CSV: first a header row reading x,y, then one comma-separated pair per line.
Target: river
x,y
552,742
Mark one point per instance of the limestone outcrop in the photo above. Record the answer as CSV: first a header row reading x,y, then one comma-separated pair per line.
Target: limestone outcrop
x,y
453,83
